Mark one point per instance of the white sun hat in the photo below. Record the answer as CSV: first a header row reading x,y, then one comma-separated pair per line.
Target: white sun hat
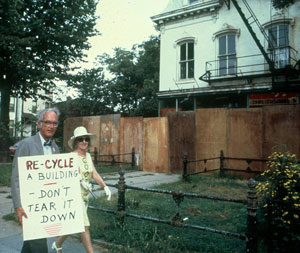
x,y
79,132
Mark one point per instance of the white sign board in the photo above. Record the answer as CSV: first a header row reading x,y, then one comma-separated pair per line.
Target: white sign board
x,y
50,195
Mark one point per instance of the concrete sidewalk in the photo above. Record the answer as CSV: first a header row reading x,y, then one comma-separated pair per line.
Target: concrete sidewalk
x,y
11,234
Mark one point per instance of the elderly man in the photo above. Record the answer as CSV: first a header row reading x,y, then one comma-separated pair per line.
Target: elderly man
x,y
39,144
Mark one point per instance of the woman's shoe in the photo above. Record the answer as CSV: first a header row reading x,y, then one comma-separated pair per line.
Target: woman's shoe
x,y
54,247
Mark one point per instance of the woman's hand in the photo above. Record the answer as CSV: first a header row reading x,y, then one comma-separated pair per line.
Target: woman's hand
x,y
107,192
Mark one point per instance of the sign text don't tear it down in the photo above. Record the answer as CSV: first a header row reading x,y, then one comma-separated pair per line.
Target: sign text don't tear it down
x,y
50,195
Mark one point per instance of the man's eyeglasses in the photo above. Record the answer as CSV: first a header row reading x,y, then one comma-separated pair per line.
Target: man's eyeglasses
x,y
49,123
81,139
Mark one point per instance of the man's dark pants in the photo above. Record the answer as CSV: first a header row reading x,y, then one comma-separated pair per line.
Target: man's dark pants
x,y
35,246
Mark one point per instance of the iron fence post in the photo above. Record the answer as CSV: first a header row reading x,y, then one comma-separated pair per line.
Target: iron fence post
x,y
222,163
95,156
121,197
132,157
251,217
113,161
185,162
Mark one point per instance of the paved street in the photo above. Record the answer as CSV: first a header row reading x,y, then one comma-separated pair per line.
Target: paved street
x,y
11,233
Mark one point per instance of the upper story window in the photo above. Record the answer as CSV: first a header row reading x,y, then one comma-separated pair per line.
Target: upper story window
x,y
193,1
279,44
186,62
227,54
34,107
12,106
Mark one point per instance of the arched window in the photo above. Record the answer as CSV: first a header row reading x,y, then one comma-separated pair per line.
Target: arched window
x,y
186,60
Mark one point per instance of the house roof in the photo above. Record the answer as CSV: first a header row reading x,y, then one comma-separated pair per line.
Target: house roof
x,y
174,5
178,9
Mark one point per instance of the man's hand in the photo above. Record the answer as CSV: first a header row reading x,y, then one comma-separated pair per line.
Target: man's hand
x,y
20,213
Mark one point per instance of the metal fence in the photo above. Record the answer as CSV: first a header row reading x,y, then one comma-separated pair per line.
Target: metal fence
x,y
113,159
250,237
222,165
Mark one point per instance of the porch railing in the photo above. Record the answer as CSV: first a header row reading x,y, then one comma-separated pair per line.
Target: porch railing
x,y
250,65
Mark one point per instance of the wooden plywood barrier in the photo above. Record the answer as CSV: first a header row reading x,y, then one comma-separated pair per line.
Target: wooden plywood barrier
x,y
155,145
181,139
69,125
281,129
131,136
160,142
110,135
244,137
211,136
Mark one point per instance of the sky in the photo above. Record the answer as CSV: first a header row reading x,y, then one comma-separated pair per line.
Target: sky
x,y
122,23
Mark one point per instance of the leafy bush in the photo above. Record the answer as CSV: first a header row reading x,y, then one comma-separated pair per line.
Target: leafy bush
x,y
280,203
280,4
5,169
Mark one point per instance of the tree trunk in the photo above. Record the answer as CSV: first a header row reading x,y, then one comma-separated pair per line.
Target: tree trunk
x,y
4,115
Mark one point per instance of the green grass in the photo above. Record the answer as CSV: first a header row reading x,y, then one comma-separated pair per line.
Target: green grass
x,y
11,217
5,173
146,236
112,169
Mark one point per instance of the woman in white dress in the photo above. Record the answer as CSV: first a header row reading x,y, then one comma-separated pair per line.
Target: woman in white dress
x,y
79,143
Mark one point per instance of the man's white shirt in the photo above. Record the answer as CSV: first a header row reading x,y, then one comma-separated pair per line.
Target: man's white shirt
x,y
47,149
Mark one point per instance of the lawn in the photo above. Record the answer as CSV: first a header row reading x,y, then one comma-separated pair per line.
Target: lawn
x,y
5,173
146,236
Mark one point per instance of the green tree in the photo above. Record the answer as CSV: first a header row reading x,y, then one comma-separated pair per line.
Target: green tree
x,y
280,4
39,39
93,93
135,78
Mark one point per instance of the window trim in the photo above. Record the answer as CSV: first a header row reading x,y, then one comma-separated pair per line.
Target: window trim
x,y
228,56
225,31
179,43
277,21
280,59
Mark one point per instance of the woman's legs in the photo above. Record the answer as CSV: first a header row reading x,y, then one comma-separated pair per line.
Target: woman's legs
x,y
59,242
86,240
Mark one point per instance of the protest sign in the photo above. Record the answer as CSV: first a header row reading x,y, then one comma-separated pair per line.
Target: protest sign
x,y
50,195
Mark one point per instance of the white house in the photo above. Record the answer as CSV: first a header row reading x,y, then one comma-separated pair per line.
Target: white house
x,y
228,53
22,115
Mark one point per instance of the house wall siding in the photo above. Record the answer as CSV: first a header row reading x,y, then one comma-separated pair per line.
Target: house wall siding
x,y
203,27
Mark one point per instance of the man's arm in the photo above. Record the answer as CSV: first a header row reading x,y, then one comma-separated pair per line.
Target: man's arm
x,y
15,186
